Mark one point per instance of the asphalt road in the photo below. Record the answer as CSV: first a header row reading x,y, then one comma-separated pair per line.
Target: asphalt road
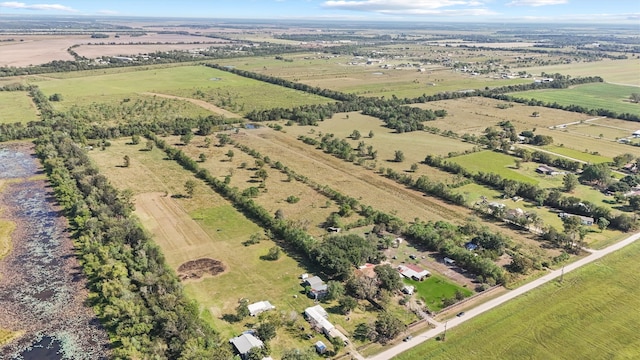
x,y
470,314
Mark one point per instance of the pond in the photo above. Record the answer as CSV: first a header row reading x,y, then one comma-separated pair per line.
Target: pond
x,y
42,288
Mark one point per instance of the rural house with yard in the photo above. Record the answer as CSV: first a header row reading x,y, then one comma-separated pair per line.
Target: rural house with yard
x,y
244,343
317,287
414,272
319,319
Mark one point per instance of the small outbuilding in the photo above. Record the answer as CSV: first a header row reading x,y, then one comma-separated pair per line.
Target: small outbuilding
x,y
321,348
449,261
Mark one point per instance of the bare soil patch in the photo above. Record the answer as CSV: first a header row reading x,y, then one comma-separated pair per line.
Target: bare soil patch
x,y
195,269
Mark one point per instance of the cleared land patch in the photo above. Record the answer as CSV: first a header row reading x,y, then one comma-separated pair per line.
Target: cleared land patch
x,y
17,107
195,269
592,314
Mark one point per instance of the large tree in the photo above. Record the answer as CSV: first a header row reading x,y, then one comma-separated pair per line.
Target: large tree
x,y
388,277
388,327
569,182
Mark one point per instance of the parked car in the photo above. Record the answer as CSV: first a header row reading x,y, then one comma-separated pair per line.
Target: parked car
x,y
407,338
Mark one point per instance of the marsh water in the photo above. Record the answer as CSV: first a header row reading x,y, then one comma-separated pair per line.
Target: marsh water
x,y
42,289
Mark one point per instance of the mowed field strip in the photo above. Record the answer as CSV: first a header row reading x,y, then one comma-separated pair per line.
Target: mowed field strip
x,y
180,237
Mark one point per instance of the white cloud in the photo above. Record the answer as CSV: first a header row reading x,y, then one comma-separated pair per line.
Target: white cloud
x,y
107,12
20,5
412,7
536,2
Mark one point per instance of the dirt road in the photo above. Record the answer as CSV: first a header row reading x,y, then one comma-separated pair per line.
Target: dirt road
x,y
470,314
201,103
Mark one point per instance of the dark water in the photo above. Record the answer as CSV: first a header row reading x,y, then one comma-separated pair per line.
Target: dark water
x,y
42,289
45,349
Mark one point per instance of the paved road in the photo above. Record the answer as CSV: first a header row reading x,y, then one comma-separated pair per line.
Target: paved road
x,y
595,255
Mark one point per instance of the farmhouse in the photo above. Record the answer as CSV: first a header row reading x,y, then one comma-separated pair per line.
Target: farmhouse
x,y
631,167
260,307
319,319
585,219
636,134
318,288
244,343
414,272
546,170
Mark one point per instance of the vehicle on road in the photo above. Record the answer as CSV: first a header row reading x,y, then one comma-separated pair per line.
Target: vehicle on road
x,y
407,338
461,313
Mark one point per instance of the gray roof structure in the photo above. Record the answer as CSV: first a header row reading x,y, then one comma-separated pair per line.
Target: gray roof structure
x,y
245,342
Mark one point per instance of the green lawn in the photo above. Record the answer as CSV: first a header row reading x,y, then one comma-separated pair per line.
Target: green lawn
x,y
434,289
16,107
592,96
580,155
493,162
593,314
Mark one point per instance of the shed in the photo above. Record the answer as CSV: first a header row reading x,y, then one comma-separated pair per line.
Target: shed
x,y
471,246
321,348
408,289
449,261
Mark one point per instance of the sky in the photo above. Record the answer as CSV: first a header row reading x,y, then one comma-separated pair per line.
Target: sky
x,y
584,11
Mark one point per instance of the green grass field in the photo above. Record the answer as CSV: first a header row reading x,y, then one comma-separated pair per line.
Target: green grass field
x,y
580,155
241,94
492,162
434,289
16,107
591,96
591,315
6,228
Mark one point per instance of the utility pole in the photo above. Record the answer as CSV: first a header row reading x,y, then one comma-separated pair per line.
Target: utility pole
x,y
444,334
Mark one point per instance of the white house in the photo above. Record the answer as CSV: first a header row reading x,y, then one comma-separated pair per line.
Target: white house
x,y
260,307
414,272
318,318
245,342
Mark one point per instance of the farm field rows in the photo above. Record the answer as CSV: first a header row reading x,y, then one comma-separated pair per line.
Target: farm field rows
x,y
572,319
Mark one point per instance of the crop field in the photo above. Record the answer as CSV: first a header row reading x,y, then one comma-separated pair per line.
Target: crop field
x,y
215,86
473,115
591,96
595,130
573,319
624,72
17,107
